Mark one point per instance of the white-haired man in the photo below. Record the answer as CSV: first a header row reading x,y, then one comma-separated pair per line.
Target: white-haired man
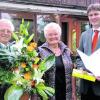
x,y
6,30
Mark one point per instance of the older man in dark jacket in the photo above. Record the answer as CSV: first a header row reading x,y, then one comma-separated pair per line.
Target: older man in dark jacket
x,y
6,30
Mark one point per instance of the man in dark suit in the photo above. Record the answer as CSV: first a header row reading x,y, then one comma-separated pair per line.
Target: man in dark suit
x,y
6,30
88,44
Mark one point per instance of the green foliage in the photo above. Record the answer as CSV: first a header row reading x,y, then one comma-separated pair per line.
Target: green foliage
x,y
13,93
44,91
23,33
21,67
5,76
47,63
8,56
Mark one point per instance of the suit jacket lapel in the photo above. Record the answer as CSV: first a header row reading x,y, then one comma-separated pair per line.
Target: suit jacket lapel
x,y
90,32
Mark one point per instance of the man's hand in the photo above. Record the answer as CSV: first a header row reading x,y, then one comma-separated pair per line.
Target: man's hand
x,y
98,78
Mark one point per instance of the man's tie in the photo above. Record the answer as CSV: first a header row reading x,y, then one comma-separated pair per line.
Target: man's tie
x,y
95,40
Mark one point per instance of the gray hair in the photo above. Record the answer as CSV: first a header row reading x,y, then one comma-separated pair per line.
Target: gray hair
x,y
6,21
54,26
95,7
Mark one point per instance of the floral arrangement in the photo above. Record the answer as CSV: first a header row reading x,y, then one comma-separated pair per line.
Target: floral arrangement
x,y
21,67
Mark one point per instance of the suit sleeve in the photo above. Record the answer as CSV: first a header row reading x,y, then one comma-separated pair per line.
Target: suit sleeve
x,y
79,63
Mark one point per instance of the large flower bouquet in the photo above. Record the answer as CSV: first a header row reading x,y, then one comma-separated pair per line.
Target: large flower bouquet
x,y
21,67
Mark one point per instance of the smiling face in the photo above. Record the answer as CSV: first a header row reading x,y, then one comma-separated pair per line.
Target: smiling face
x,y
94,18
52,36
5,33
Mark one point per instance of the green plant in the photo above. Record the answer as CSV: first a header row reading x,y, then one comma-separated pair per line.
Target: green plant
x,y
21,67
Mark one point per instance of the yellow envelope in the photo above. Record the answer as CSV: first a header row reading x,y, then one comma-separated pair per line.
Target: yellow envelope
x,y
83,74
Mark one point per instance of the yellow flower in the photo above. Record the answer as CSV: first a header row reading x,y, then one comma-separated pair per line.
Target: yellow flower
x,y
27,76
33,44
23,65
29,48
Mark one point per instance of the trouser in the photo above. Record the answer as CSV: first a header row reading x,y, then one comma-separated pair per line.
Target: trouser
x,y
2,91
90,95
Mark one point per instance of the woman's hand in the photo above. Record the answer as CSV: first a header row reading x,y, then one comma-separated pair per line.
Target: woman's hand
x,y
74,97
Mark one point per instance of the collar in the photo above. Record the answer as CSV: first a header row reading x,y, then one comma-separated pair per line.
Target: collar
x,y
98,29
61,45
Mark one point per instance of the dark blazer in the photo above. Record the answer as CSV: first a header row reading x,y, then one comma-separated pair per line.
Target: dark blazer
x,y
85,46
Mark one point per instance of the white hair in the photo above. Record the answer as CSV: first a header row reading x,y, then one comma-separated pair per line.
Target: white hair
x,y
54,26
8,22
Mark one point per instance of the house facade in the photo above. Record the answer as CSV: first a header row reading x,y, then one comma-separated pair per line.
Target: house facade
x,y
70,14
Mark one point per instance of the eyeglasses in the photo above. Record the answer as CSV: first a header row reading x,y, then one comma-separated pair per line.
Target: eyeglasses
x,y
5,31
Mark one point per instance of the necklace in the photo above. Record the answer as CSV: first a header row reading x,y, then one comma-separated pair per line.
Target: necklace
x,y
57,51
